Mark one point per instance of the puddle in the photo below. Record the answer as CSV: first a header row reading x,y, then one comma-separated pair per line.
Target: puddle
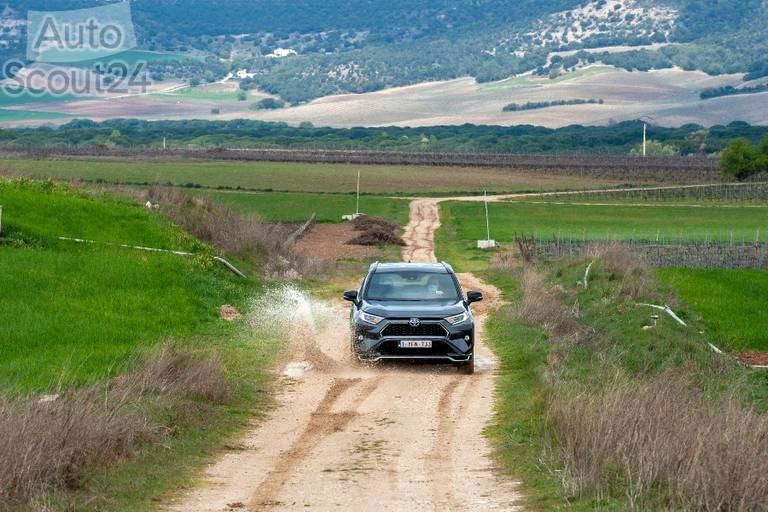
x,y
297,370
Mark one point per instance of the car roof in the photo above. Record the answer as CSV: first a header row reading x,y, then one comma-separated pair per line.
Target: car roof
x,y
435,268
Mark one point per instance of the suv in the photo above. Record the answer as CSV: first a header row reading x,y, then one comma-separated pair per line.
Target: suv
x,y
413,311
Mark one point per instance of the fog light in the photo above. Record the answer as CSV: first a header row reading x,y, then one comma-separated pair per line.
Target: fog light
x,y
466,338
360,337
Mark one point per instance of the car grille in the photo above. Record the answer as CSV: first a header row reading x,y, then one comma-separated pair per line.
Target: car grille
x,y
392,348
405,330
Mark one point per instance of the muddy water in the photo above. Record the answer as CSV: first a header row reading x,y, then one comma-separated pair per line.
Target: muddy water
x,y
395,437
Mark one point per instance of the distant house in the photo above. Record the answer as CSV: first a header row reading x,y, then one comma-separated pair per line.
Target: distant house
x,y
282,52
243,73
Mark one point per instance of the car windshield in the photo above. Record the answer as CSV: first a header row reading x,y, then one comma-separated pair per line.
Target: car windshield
x,y
412,286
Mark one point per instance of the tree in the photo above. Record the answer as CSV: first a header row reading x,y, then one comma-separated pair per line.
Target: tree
x,y
741,159
764,146
268,104
655,148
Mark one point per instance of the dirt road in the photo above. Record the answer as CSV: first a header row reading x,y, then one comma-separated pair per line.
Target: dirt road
x,y
343,437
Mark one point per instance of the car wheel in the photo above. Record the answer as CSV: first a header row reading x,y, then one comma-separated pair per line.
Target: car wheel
x,y
468,368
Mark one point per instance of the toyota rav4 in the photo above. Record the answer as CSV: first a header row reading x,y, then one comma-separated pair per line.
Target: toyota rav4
x,y
413,311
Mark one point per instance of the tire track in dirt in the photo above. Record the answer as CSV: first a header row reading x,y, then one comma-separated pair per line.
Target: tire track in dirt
x,y
399,437
322,423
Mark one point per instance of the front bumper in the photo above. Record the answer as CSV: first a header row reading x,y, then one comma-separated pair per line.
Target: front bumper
x,y
382,342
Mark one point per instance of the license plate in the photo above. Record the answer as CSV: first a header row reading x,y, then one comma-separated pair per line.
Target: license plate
x,y
415,344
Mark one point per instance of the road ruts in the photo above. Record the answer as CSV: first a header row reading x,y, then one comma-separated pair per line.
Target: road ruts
x,y
394,437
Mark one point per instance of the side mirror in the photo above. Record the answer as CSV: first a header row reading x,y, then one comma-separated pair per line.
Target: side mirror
x,y
351,296
474,297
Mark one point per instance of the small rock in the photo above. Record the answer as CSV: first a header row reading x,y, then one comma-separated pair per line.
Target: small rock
x,y
46,399
229,313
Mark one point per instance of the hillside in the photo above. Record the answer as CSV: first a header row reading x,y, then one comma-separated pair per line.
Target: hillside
x,y
366,45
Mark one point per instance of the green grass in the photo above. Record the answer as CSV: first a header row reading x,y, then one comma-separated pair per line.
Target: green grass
x,y
518,429
79,312
144,482
73,314
7,115
731,304
298,177
298,207
519,432
132,57
612,222
15,96
204,93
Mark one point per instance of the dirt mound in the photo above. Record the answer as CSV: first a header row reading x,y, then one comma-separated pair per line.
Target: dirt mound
x,y
377,236
366,223
376,231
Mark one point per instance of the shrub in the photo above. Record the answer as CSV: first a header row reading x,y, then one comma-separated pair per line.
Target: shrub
x,y
543,307
243,236
268,104
742,160
53,443
660,441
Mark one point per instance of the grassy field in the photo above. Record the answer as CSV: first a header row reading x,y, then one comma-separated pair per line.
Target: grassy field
x,y
731,304
9,96
608,222
298,207
8,115
62,315
298,177
75,315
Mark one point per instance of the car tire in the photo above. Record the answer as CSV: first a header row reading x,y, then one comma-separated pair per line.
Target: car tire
x,y
468,368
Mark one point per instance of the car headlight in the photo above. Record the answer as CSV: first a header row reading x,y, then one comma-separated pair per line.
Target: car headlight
x,y
453,320
371,319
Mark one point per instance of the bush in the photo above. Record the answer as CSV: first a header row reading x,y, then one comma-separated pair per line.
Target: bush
x,y
742,160
247,237
53,443
268,104
660,441
543,307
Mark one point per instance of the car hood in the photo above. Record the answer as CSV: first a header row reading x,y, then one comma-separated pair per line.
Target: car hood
x,y
408,309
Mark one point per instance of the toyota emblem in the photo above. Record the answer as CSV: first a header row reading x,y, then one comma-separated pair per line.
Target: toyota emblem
x,y
415,322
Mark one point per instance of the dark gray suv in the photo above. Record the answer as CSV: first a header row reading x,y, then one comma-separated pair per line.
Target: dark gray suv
x,y
413,311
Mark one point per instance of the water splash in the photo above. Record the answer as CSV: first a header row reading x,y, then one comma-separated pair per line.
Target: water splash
x,y
287,308
293,312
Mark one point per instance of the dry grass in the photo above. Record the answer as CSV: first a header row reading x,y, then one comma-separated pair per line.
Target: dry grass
x,y
618,261
543,306
246,237
662,447
50,444
506,261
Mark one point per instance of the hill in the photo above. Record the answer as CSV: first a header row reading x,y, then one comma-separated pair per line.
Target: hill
x,y
333,47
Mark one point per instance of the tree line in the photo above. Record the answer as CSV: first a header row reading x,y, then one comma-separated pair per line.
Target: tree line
x,y
620,138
